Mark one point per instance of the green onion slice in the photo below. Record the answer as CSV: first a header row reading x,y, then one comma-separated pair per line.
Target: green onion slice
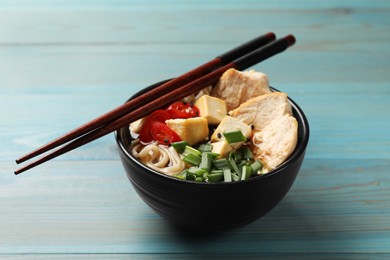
x,y
192,159
256,166
246,172
180,146
205,148
207,161
182,175
234,137
227,175
215,176
190,150
235,167
221,163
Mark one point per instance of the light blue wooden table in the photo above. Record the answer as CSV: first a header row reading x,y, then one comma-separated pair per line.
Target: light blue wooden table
x,y
64,62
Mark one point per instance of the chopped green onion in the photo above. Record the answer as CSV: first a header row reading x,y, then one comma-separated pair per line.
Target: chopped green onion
x,y
200,172
245,163
205,148
234,137
215,176
235,156
221,163
235,167
239,165
190,150
182,175
192,170
192,159
246,153
256,166
215,155
246,172
196,172
207,160
216,171
198,179
235,177
179,146
190,176
232,155
227,175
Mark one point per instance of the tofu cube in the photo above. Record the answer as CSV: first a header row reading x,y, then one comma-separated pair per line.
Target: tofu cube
x,y
212,108
230,124
222,148
193,130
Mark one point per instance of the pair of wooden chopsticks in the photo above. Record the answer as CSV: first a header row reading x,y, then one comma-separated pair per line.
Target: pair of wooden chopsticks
x,y
240,58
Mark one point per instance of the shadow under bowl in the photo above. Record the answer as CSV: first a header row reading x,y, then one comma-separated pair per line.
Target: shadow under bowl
x,y
212,206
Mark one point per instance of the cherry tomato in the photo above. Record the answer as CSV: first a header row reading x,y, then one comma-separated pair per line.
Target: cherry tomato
x,y
182,110
159,116
145,135
163,134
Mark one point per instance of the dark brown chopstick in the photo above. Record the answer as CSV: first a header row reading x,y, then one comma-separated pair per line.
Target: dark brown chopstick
x,y
153,94
211,78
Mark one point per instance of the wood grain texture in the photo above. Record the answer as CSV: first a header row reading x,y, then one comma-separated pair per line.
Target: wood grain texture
x,y
65,62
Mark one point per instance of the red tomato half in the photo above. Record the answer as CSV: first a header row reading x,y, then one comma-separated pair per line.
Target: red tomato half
x,y
163,134
182,110
145,135
159,116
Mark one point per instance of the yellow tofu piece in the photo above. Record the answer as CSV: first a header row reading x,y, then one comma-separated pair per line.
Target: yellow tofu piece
x,y
212,108
222,148
230,124
193,130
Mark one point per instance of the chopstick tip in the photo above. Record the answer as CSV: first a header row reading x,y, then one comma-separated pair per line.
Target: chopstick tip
x,y
24,168
271,35
290,39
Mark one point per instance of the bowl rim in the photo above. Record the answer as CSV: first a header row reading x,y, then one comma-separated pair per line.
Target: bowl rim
x,y
298,151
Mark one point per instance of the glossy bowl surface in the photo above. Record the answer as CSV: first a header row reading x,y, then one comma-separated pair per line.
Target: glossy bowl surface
x,y
208,206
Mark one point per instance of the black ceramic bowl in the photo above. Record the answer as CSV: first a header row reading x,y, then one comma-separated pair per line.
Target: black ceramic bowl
x,y
209,206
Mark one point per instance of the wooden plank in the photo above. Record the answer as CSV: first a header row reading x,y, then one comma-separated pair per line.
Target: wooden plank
x,y
193,4
64,62
342,119
277,256
338,206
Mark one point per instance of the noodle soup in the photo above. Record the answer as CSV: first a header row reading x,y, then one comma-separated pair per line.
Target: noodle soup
x,y
229,132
